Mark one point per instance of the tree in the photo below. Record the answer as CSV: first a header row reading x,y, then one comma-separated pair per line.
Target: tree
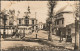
x,y
11,16
77,14
51,6
4,17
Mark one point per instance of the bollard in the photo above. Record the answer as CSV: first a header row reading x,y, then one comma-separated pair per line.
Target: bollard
x,y
36,36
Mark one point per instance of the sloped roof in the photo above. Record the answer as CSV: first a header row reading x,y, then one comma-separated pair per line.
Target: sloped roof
x,y
60,10
63,12
67,8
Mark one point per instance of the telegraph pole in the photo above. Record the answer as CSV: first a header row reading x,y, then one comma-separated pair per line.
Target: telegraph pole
x,y
36,25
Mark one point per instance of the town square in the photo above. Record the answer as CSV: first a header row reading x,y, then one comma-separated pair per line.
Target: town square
x,y
39,25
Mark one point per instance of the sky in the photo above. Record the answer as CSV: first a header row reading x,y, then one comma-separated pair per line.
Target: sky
x,y
40,7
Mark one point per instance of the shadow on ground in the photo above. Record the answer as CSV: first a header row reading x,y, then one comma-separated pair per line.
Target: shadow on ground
x,y
47,47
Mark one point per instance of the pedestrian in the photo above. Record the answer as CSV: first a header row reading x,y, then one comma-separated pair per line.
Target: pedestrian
x,y
62,36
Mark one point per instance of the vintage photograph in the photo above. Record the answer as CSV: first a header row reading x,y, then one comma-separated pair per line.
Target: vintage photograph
x,y
39,25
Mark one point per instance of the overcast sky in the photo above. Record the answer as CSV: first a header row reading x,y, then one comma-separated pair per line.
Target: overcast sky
x,y
40,7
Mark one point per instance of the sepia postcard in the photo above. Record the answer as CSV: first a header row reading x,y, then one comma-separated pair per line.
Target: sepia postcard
x,y
39,25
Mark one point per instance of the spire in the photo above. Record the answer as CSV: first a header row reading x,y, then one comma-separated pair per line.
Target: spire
x,y
29,9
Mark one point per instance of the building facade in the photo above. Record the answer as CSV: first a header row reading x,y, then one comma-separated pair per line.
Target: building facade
x,y
70,30
62,20
40,25
27,22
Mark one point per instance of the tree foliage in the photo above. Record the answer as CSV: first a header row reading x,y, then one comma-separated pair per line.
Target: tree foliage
x,y
51,6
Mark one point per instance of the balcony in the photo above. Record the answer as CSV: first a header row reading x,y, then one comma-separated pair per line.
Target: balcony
x,y
59,26
59,17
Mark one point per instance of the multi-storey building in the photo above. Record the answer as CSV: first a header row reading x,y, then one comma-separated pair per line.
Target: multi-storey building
x,y
40,25
62,20
27,24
